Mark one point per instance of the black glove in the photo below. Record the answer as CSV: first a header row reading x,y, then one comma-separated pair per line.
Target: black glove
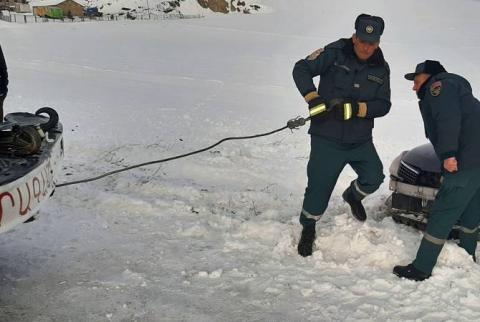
x,y
317,106
344,109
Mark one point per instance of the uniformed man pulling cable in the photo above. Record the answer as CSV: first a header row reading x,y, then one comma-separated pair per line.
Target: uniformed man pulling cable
x,y
354,89
3,82
451,115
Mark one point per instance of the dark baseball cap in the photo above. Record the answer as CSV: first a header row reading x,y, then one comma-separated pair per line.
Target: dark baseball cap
x,y
369,28
431,67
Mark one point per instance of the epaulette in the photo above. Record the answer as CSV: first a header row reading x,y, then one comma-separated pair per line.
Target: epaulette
x,y
339,44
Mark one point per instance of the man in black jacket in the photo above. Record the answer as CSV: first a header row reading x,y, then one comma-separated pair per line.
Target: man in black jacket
x,y
451,115
3,82
354,89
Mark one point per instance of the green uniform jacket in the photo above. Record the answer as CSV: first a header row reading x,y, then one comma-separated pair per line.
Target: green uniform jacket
x,y
3,75
451,115
342,75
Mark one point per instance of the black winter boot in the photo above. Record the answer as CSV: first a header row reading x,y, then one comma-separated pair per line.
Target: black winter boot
x,y
355,205
410,272
305,245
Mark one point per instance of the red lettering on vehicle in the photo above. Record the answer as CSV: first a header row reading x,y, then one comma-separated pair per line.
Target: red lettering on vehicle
x,y
21,211
7,194
36,193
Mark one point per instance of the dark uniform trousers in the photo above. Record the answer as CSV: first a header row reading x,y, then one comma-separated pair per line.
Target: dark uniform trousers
x,y
327,160
457,202
2,98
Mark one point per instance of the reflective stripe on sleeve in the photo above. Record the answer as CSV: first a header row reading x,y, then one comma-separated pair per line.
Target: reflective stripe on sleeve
x,y
318,109
347,111
362,109
310,96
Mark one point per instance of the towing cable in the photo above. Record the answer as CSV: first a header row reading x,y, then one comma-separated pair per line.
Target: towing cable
x,y
292,124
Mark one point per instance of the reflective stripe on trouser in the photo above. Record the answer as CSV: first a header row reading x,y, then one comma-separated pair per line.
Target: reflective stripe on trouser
x,y
457,201
469,223
327,160
468,240
310,216
357,191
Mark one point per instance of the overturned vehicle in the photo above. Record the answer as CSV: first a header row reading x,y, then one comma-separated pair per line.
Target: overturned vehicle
x,y
31,149
415,177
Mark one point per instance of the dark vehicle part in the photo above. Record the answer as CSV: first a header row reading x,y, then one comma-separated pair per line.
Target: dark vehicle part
x,y
21,141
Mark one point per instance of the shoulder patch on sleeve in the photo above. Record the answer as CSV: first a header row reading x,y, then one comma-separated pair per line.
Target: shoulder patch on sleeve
x,y
315,54
436,88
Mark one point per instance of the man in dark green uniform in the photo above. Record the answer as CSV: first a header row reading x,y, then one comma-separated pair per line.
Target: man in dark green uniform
x,y
3,82
451,115
354,89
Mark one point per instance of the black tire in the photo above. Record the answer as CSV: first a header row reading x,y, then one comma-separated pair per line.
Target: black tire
x,y
52,118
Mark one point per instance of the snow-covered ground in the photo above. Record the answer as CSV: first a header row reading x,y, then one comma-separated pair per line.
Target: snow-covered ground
x,y
213,237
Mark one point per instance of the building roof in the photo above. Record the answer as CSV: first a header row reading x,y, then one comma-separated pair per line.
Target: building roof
x,y
46,3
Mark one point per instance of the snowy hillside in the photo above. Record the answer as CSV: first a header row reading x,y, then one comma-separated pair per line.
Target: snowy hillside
x,y
213,237
159,7
152,6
